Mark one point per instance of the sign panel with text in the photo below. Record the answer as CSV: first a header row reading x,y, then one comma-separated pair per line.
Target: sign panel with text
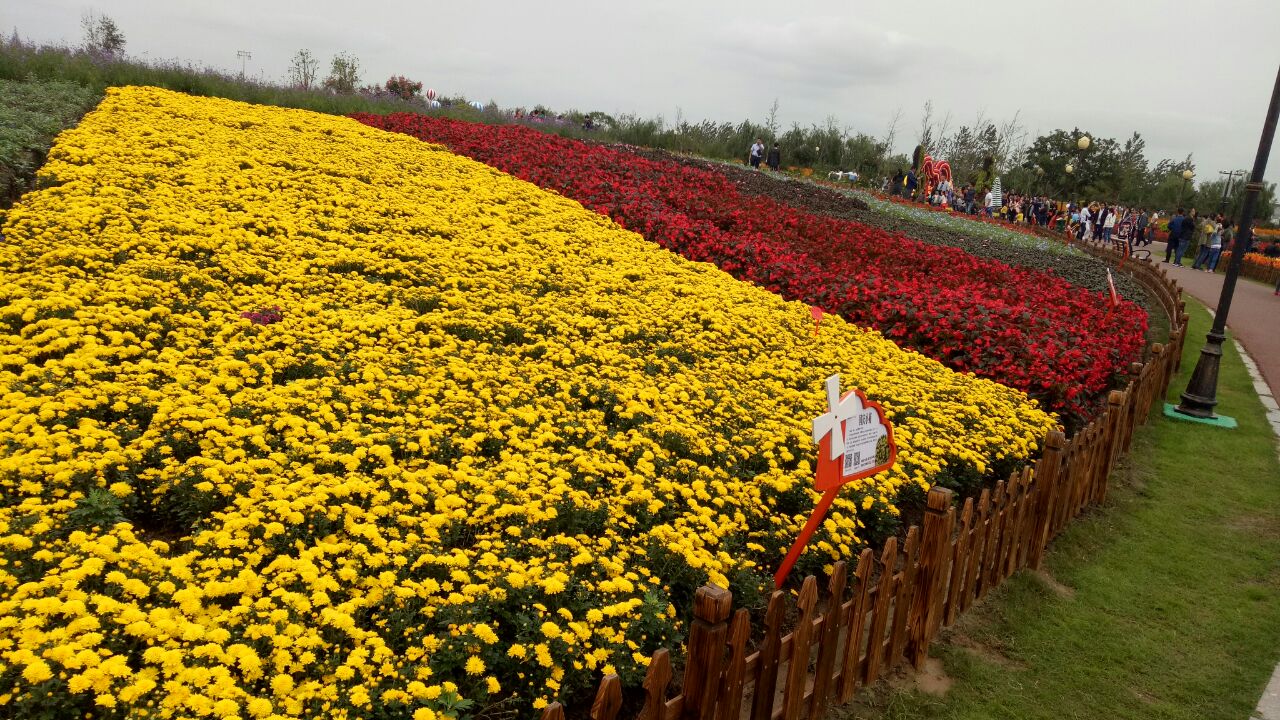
x,y
855,441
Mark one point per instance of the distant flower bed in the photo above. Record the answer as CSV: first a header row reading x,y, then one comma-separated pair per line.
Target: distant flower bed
x,y
985,228
1255,265
1028,329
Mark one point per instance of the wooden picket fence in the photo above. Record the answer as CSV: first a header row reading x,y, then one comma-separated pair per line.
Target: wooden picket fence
x,y
888,611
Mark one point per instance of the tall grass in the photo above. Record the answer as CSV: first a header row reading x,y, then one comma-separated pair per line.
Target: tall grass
x,y
22,60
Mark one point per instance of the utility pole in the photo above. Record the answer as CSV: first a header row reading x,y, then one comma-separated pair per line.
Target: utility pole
x,y
1226,191
244,56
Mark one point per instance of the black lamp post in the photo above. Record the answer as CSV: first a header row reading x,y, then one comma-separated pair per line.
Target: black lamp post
x,y
1202,391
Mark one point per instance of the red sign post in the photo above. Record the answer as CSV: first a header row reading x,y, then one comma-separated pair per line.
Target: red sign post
x,y
855,440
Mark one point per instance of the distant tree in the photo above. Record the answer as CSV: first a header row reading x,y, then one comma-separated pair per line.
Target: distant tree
x,y
1209,195
771,120
863,153
101,34
1133,179
602,119
303,69
890,134
344,74
402,87
925,138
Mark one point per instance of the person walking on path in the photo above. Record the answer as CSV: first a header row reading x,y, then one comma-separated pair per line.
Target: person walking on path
x,y
988,203
911,182
969,194
895,186
1210,249
1108,217
1126,230
775,158
1191,235
1225,236
757,153
1142,238
1175,237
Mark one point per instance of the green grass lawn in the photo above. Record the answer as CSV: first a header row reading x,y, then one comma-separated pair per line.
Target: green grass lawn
x,y
1165,603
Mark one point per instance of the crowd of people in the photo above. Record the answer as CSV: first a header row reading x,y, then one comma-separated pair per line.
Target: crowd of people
x,y
1014,207
1125,228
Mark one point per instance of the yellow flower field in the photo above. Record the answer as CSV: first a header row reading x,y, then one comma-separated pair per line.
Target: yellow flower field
x,y
489,448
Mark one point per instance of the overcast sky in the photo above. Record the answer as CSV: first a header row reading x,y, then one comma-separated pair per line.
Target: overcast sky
x,y
1191,76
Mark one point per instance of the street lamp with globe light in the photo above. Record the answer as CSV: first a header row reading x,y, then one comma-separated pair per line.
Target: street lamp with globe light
x,y
1186,177
1082,144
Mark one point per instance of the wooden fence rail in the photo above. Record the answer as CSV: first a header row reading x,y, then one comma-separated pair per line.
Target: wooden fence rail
x,y
890,608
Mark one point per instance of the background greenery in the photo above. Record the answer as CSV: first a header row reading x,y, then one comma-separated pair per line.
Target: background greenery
x,y
1109,170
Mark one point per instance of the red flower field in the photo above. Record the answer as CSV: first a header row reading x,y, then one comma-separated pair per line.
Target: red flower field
x,y
1028,329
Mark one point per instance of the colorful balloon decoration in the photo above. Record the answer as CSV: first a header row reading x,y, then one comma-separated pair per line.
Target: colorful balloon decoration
x,y
435,104
430,94
477,104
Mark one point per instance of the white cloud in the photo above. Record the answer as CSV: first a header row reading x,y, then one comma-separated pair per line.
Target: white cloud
x,y
831,53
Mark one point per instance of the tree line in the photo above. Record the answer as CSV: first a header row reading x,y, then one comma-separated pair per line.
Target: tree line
x,y
978,151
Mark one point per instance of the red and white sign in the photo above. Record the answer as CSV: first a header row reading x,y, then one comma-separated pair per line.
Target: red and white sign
x,y
816,312
855,441
1111,288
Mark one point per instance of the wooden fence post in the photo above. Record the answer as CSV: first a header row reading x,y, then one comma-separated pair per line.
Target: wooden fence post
x,y
884,595
801,642
999,500
1134,408
608,699
828,642
977,549
1156,378
1116,403
931,578
735,672
1048,479
959,564
767,667
851,670
655,686
1183,318
904,600
711,606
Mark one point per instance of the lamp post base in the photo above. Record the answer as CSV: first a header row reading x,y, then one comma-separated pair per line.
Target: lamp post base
x,y
1202,391
1222,421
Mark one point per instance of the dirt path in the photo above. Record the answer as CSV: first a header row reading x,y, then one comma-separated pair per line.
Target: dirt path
x,y
1254,315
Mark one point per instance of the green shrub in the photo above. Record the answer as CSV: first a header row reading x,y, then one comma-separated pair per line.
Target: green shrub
x,y
32,113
